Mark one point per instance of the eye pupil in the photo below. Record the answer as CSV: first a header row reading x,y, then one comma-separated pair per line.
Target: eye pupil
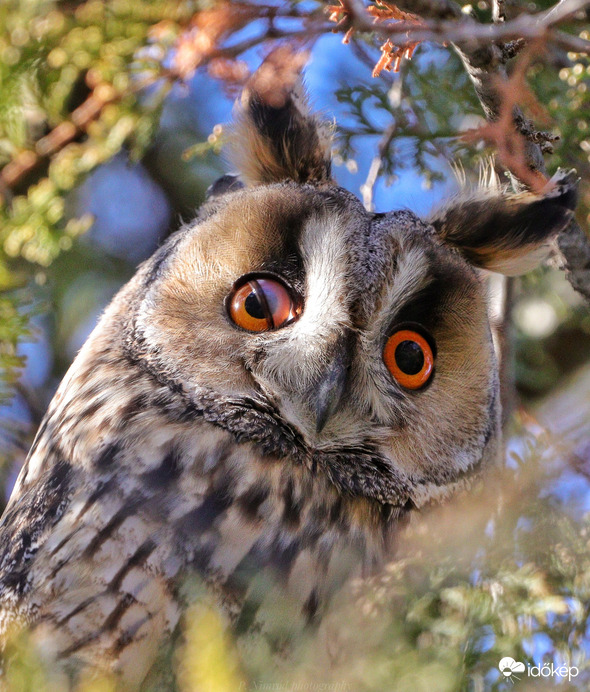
x,y
253,306
410,357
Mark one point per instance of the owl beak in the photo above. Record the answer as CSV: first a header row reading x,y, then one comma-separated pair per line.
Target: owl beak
x,y
329,389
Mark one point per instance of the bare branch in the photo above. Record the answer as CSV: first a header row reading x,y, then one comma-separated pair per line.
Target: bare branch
x,y
564,10
368,187
569,42
499,11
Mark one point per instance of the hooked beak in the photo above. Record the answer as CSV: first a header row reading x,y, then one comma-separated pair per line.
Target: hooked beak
x,y
331,385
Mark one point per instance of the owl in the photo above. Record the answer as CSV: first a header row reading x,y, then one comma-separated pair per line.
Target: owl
x,y
281,384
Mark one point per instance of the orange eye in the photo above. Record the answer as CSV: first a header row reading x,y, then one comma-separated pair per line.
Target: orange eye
x,y
409,358
261,303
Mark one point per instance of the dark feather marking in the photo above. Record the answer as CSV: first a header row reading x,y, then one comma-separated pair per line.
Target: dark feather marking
x,y
16,580
201,558
167,472
101,489
78,609
23,543
311,605
136,560
127,510
283,556
238,584
277,556
60,564
386,512
109,624
362,473
138,404
291,507
39,508
89,411
81,643
247,616
336,513
59,476
129,636
200,519
107,456
246,569
40,434
249,502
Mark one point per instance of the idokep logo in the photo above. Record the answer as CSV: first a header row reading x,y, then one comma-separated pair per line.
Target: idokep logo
x,y
509,669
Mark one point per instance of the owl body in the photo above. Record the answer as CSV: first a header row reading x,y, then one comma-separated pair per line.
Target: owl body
x,y
241,405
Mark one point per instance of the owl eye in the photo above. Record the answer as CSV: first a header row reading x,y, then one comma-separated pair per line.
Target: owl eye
x,y
259,303
409,358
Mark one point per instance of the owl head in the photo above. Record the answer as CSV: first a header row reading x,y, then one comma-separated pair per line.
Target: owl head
x,y
354,343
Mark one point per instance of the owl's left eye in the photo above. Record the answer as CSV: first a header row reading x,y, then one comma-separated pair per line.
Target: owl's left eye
x,y
409,357
259,303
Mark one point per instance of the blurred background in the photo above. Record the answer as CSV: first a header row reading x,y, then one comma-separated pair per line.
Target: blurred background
x,y
79,220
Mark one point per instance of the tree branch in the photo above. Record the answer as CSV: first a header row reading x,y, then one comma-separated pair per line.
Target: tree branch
x,y
375,168
444,22
485,65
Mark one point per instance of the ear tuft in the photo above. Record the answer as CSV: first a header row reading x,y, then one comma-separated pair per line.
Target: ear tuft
x,y
507,233
275,136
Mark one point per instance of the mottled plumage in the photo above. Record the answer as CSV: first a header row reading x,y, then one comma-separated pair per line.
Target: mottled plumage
x,y
180,442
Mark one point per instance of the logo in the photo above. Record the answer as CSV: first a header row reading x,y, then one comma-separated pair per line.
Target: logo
x,y
509,667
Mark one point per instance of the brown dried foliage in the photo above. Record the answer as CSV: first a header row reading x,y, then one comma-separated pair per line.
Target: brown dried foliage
x,y
391,57
391,54
387,10
231,71
341,16
275,78
200,42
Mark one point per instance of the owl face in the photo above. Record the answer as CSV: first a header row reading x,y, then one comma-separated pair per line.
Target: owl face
x,y
353,342
292,298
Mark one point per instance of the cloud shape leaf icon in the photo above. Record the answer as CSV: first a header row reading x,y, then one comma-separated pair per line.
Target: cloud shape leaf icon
x,y
509,666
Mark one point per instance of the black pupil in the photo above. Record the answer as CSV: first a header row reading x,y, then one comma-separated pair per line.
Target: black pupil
x,y
409,357
254,306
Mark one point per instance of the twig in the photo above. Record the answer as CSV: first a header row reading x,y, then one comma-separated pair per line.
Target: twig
x,y
102,94
564,10
498,11
443,21
571,43
395,99
16,169
368,187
